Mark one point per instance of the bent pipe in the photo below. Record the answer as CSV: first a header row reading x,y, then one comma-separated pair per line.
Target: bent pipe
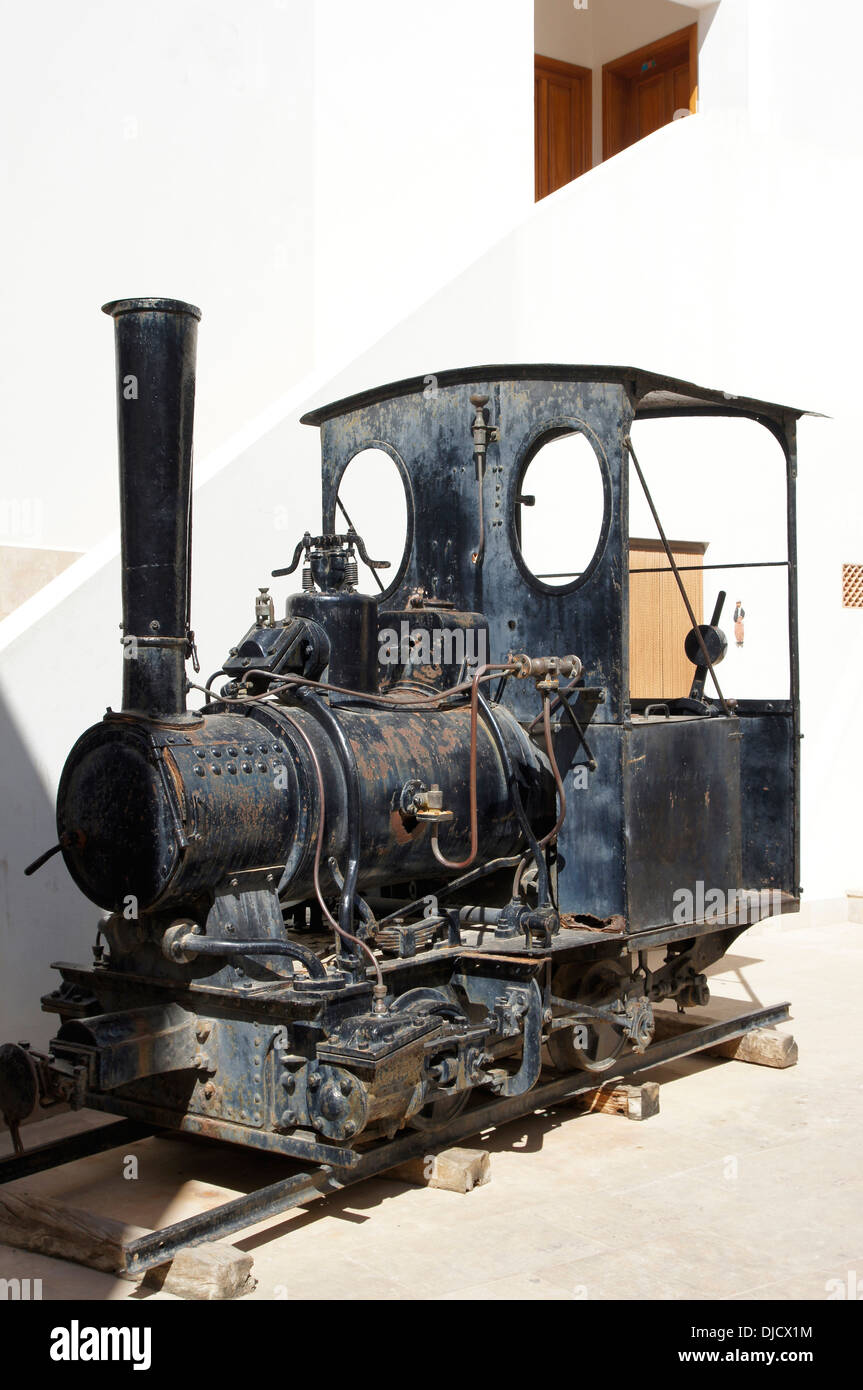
x,y
325,716
364,910
191,944
543,881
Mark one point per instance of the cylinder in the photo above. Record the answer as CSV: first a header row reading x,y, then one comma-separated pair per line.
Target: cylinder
x,y
156,341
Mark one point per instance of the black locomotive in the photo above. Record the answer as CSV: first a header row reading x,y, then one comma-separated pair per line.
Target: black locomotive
x,y
348,897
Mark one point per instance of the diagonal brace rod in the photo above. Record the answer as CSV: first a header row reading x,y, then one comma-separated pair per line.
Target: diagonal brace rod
x,y
683,594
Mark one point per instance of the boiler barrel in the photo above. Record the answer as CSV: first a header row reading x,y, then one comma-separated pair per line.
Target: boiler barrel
x,y
166,815
393,748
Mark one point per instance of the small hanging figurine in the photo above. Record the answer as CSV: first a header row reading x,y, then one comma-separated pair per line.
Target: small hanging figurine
x,y
739,615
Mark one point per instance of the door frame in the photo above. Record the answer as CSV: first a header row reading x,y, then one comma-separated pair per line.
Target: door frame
x,y
617,73
582,121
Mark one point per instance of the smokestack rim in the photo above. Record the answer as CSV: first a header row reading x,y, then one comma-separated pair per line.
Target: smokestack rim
x,y
116,307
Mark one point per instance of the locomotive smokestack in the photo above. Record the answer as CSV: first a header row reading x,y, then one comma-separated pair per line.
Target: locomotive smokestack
x,y
156,341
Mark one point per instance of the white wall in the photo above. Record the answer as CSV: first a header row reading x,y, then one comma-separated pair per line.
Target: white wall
x,y
306,173
779,60
711,250
424,138
149,149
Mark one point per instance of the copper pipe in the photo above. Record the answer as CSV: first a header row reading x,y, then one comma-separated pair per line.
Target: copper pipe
x,y
482,673
516,883
389,701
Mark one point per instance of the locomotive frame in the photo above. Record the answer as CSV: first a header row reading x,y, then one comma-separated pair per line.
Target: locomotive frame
x,y
364,924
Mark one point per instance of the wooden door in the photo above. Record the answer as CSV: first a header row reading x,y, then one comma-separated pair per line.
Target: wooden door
x,y
642,90
659,669
562,123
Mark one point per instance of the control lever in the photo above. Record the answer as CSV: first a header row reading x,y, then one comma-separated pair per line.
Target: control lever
x,y
715,642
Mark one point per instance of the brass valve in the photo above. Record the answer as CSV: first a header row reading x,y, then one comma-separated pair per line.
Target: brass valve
x,y
545,670
265,612
430,807
424,803
483,433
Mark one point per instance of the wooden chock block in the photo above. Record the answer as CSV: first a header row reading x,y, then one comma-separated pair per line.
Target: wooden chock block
x,y
204,1273
634,1102
32,1222
455,1170
764,1047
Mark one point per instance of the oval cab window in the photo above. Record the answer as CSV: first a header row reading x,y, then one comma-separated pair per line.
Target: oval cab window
x,y
559,517
372,493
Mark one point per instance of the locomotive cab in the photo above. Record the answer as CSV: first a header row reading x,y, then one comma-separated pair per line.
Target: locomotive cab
x,y
666,792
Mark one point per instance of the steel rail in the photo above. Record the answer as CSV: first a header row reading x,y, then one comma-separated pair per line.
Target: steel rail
x,y
89,1141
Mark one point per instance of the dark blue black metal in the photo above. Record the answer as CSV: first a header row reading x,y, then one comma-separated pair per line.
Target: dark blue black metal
x,y
326,786
155,342
424,432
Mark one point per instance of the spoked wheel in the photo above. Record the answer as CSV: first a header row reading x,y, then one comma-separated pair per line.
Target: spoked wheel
x,y
439,1112
443,1108
590,1045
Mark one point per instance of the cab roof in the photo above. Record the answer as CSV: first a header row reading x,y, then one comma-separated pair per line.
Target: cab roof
x,y
654,394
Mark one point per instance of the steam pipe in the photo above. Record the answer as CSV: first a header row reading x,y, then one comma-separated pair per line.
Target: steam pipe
x,y
325,716
543,882
155,341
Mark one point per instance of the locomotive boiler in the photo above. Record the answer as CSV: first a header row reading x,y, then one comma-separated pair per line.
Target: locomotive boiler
x,y
357,898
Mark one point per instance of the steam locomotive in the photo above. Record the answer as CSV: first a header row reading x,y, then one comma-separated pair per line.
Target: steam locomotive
x,y
349,898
